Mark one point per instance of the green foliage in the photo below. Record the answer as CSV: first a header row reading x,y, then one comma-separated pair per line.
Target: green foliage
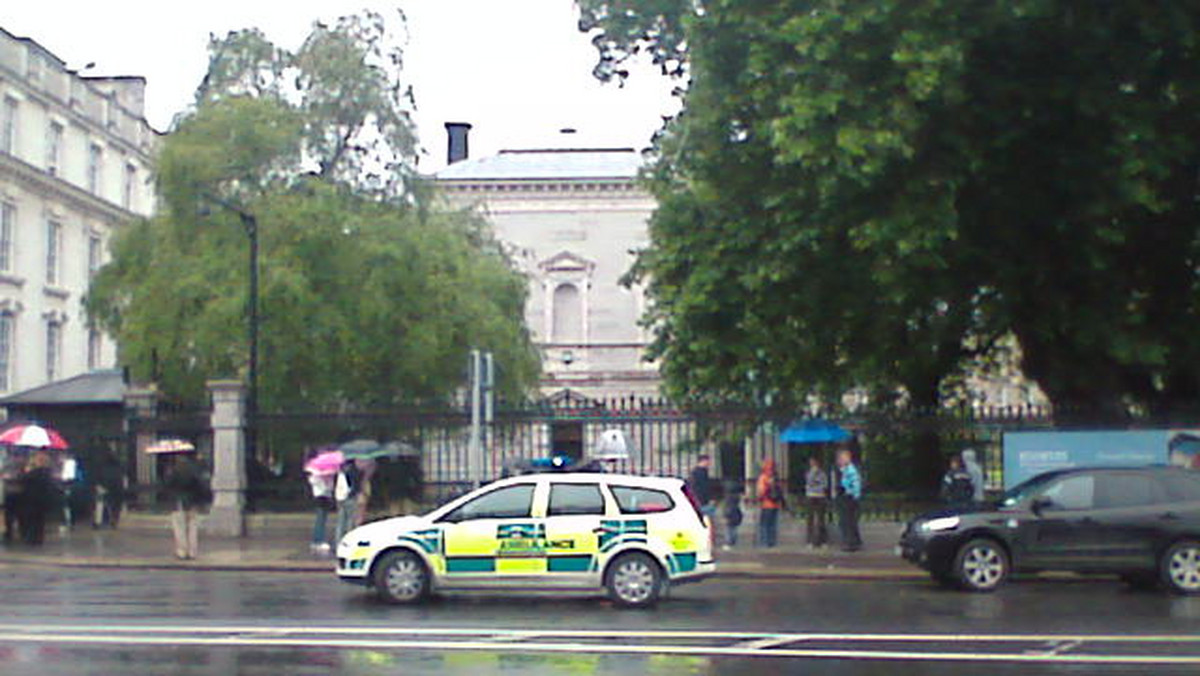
x,y
368,298
873,194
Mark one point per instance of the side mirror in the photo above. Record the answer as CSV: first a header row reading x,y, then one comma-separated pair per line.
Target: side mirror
x,y
1040,504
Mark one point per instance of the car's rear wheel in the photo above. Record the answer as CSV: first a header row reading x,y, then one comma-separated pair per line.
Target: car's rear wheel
x,y
401,577
981,565
634,580
1180,567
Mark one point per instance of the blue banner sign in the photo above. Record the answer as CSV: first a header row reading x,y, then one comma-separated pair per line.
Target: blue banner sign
x,y
1027,454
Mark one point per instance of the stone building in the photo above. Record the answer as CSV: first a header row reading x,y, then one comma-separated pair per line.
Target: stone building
x,y
75,160
572,219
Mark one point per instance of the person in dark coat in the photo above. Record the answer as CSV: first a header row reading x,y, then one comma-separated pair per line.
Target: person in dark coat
x,y
38,497
700,483
13,492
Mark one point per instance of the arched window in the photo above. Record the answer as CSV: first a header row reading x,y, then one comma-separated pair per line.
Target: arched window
x,y
568,314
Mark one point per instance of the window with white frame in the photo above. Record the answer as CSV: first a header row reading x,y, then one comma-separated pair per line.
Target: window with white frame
x,y
8,324
95,254
93,349
8,226
128,186
8,125
54,232
54,140
53,349
95,167
568,315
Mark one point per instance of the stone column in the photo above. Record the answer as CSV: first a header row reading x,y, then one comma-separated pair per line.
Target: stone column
x,y
141,404
228,514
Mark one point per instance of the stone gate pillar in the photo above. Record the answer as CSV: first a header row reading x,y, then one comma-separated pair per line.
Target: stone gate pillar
x,y
228,513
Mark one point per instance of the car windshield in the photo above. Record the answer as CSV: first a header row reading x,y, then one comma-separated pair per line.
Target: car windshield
x,y
1022,491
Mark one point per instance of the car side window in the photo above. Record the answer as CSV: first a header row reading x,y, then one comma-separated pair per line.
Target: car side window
x,y
510,502
575,499
1073,492
642,500
1182,487
1117,490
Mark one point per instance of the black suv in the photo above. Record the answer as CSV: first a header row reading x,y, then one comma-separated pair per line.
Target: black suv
x,y
1140,523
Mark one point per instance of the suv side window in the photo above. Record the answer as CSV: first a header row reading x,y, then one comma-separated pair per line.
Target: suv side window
x,y
1116,490
642,500
1073,492
510,502
575,499
1181,487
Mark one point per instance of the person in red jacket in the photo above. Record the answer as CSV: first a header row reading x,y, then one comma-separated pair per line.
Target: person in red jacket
x,y
770,501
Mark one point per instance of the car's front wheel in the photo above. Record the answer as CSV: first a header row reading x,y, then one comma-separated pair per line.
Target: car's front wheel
x,y
401,577
634,580
981,565
1180,567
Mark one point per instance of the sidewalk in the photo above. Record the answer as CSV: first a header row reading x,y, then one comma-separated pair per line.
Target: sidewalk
x,y
279,543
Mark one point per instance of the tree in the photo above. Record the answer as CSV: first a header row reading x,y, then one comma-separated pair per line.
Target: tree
x,y
873,195
370,296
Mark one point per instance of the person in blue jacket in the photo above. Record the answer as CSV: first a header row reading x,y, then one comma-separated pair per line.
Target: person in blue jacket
x,y
848,498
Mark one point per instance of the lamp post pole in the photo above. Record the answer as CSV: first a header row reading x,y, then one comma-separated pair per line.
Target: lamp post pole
x,y
251,225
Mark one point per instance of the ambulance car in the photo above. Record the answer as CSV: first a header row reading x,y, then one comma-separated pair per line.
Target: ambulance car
x,y
630,537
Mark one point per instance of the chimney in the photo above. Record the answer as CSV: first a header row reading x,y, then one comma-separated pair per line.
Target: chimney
x,y
456,147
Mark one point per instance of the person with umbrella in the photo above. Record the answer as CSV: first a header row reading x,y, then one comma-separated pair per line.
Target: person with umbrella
x,y
37,498
322,469
188,490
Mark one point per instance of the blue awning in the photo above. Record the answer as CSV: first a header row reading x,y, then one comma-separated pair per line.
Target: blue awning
x,y
813,431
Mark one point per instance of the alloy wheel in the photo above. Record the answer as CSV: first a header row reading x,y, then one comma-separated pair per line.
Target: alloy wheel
x,y
1183,568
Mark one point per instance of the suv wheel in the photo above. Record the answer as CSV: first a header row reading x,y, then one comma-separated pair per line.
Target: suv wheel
x,y
981,565
1180,567
634,581
401,577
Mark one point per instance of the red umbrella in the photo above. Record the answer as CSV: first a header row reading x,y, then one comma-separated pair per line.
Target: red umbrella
x,y
34,436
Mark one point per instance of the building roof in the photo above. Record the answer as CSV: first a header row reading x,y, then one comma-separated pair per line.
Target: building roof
x,y
105,386
567,163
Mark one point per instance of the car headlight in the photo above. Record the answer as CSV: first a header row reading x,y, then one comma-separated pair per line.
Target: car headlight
x,y
940,524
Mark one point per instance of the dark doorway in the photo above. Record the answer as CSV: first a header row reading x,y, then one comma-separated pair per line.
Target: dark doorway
x,y
566,438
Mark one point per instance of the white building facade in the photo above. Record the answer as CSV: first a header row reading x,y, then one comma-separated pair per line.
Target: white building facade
x,y
572,220
75,163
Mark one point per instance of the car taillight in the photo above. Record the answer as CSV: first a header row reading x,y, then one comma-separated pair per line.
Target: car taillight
x,y
687,491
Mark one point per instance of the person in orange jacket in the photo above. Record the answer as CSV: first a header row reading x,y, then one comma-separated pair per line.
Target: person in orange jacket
x,y
770,500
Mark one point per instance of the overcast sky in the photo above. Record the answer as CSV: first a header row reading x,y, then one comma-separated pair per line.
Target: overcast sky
x,y
516,69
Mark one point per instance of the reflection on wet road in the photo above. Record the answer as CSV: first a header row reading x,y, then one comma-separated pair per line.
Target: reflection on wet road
x,y
147,622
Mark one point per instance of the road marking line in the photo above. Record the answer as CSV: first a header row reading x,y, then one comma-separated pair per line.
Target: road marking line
x,y
766,642
485,646
1064,647
605,633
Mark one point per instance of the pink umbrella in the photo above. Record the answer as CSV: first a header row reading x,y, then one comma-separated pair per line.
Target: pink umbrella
x,y
34,436
324,464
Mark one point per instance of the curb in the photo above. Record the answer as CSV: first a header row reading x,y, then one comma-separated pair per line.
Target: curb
x,y
729,571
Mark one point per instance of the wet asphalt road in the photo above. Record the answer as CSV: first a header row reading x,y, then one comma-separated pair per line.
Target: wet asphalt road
x,y
64,621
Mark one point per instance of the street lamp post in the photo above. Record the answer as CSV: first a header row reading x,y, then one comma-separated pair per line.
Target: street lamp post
x,y
251,225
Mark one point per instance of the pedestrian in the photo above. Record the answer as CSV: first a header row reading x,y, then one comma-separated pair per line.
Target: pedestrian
x,y
731,510
366,482
700,484
322,492
816,497
71,476
189,492
770,501
38,498
848,499
971,464
346,490
957,488
110,486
